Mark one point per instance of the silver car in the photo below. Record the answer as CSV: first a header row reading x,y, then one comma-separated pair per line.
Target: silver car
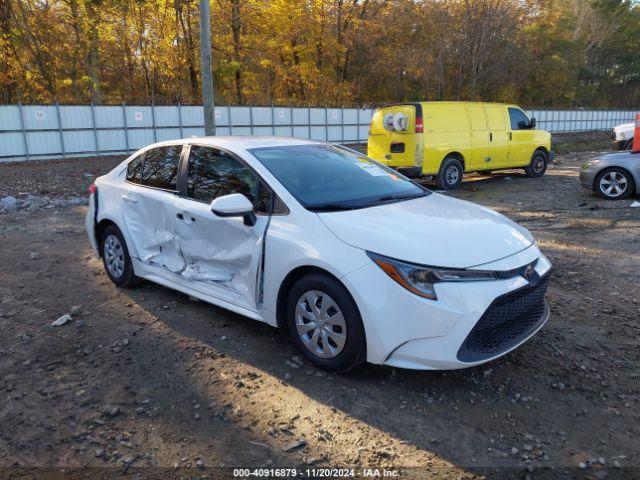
x,y
613,176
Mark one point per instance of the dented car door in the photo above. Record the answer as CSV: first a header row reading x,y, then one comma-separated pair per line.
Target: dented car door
x,y
218,252
152,178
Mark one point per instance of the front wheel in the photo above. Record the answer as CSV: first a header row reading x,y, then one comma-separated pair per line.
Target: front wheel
x,y
450,175
614,183
325,323
538,165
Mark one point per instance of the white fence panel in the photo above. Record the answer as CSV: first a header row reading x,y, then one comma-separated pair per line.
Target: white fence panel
x,y
51,131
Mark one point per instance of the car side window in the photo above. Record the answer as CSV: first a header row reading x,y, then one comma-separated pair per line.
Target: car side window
x,y
516,116
134,169
214,173
160,168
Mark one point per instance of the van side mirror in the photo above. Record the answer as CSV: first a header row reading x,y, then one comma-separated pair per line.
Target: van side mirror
x,y
234,205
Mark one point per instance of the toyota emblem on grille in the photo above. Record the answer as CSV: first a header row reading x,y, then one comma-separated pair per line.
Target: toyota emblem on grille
x,y
530,274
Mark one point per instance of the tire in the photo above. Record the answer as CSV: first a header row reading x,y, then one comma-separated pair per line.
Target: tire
x,y
538,164
623,183
115,258
346,344
450,175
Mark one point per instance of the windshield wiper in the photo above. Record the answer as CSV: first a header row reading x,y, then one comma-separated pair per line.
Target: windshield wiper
x,y
331,207
390,198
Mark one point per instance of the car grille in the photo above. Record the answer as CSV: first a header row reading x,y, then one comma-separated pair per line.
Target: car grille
x,y
515,272
508,320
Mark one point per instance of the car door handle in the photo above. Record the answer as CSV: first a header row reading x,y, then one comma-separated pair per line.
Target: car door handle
x,y
510,136
188,220
129,199
491,136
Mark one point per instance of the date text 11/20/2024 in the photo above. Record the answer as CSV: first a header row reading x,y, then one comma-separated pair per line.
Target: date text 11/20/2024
x,y
315,473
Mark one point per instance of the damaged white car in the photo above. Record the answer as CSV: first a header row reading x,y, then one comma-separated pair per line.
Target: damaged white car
x,y
357,261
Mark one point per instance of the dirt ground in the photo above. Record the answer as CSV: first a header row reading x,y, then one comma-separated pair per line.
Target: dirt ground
x,y
145,382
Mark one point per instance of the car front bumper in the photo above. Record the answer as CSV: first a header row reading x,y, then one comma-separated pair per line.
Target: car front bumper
x,y
407,331
588,177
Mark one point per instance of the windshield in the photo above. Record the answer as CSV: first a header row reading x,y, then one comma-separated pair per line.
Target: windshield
x,y
326,177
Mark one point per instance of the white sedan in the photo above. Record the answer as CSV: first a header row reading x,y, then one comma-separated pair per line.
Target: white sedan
x,y
358,262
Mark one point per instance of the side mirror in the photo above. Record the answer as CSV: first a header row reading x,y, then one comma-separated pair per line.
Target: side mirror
x,y
234,205
532,123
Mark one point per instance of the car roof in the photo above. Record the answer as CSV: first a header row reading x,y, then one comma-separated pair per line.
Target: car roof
x,y
241,142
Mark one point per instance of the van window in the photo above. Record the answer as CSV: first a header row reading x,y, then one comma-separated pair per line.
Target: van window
x,y
160,168
516,116
495,114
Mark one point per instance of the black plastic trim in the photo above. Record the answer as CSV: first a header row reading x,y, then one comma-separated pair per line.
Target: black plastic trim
x,y
471,354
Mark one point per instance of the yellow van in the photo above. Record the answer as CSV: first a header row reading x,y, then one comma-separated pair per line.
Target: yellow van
x,y
447,139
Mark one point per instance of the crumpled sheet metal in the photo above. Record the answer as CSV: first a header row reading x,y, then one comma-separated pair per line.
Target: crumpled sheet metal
x,y
207,250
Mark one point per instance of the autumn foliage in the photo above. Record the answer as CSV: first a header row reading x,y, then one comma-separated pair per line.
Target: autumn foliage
x,y
539,53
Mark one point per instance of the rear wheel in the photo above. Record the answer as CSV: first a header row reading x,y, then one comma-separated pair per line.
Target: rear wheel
x,y
538,165
325,323
450,175
116,259
615,183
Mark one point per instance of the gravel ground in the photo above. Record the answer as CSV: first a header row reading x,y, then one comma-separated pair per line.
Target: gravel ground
x,y
145,381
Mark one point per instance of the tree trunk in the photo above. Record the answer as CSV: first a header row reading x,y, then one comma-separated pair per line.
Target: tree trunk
x,y
93,55
236,30
8,85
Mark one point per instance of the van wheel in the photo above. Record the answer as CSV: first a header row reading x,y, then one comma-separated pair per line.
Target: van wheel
x,y
451,172
325,323
116,259
538,165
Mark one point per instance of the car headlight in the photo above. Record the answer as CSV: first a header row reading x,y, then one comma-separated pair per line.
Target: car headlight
x,y
589,163
420,279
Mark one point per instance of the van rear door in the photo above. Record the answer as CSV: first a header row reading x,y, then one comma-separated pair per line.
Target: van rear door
x,y
395,136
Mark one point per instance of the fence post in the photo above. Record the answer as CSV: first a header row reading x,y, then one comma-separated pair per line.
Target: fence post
x,y
24,131
291,118
342,123
95,128
153,120
229,118
60,134
126,133
309,119
251,118
180,119
273,122
326,124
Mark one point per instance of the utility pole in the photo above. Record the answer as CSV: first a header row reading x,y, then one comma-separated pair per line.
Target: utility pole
x,y
205,68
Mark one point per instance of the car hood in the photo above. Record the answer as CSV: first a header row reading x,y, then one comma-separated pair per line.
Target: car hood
x,y
628,160
625,127
433,230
